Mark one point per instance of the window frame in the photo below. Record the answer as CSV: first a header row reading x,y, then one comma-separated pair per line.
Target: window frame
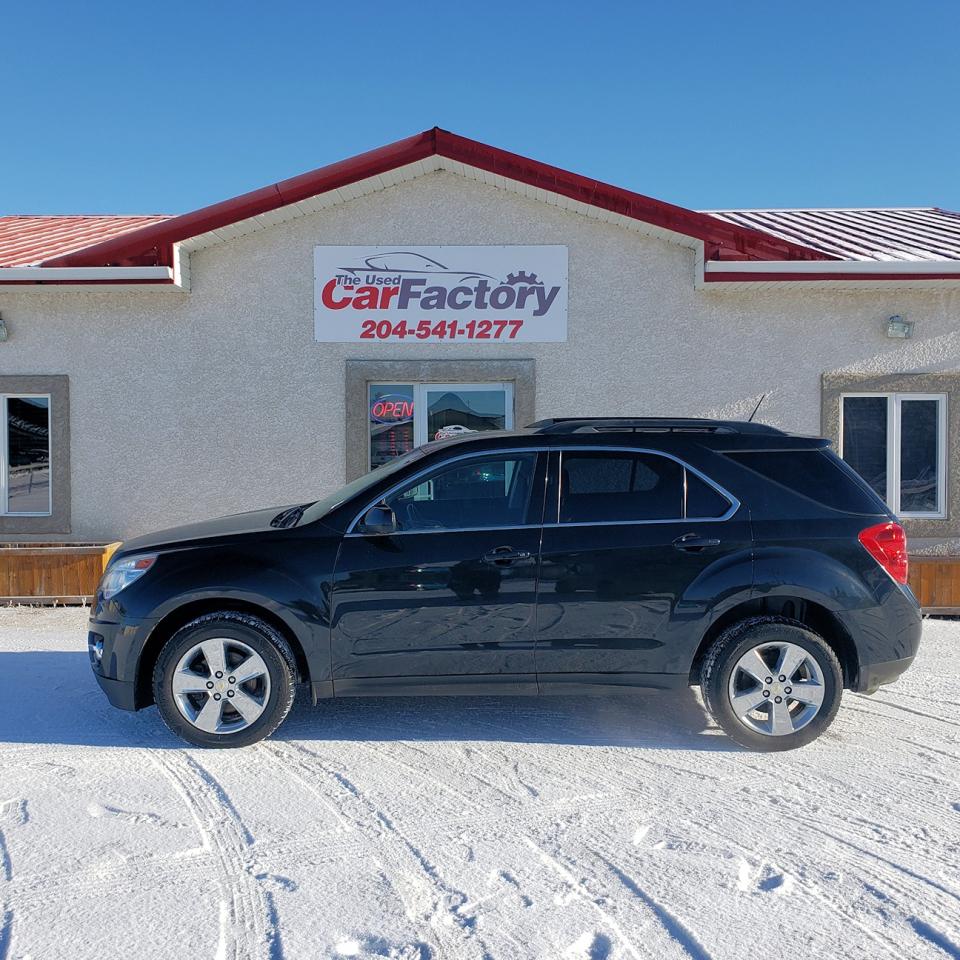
x,y
5,511
420,390
552,482
895,400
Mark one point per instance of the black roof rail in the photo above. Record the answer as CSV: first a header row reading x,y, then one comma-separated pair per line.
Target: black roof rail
x,y
649,425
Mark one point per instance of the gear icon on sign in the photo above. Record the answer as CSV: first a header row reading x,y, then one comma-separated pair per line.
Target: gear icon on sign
x,y
521,277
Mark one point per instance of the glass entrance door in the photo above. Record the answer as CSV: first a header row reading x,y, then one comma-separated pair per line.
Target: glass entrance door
x,y
405,415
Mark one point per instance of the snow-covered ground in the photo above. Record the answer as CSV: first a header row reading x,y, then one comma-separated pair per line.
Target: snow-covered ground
x,y
487,828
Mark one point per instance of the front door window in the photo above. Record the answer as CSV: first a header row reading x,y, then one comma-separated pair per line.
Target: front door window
x,y
405,415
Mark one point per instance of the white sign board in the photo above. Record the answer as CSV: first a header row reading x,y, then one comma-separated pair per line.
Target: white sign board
x,y
440,294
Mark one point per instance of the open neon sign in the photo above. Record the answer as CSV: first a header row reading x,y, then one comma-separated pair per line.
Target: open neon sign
x,y
391,409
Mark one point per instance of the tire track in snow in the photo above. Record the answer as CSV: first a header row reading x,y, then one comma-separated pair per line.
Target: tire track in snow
x,y
577,888
802,781
668,920
439,903
867,865
248,923
847,916
12,812
879,714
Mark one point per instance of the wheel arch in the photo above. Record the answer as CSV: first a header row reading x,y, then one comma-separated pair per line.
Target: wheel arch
x,y
802,610
181,615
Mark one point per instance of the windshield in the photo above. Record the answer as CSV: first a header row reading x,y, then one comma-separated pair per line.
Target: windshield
x,y
322,507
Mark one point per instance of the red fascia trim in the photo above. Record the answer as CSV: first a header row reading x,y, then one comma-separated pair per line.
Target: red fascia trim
x,y
160,237
736,242
154,243
722,277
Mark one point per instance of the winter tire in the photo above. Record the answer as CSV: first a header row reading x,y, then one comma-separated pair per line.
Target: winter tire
x,y
226,679
771,684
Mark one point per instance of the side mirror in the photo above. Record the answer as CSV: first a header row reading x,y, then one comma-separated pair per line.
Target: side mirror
x,y
379,520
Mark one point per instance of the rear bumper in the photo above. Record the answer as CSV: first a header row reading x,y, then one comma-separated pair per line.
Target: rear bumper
x,y
872,676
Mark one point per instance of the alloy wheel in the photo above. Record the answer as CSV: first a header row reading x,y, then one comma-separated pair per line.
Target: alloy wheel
x,y
776,688
221,685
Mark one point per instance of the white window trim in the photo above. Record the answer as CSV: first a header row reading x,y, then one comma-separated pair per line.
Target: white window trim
x,y
894,402
420,389
5,448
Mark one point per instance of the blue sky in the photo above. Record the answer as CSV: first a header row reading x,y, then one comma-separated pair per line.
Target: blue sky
x,y
130,108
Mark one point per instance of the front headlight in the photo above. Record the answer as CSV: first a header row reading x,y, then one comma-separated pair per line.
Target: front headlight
x,y
122,573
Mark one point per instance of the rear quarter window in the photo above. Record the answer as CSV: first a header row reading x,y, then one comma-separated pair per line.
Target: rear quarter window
x,y
817,475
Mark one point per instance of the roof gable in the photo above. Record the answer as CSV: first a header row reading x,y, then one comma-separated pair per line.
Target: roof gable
x,y
153,243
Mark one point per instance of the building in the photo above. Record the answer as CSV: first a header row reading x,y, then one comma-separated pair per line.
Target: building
x,y
265,349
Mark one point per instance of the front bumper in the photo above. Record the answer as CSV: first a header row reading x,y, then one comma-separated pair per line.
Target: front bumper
x,y
120,693
114,650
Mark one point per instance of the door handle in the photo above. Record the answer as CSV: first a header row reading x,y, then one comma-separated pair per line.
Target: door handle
x,y
504,556
693,542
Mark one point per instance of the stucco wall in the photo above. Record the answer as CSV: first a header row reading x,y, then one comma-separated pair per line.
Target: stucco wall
x,y
190,405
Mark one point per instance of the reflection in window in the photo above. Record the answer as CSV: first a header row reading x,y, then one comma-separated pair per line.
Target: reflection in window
x,y
454,412
864,440
918,456
390,422
27,454
894,441
481,492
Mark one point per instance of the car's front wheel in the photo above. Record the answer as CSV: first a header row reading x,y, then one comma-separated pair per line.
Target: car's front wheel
x,y
225,679
772,684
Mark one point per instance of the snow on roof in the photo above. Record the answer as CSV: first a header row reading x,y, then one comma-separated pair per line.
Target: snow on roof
x,y
870,233
26,240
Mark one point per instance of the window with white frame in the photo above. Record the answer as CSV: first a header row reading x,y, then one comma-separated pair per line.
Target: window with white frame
x,y
897,443
25,455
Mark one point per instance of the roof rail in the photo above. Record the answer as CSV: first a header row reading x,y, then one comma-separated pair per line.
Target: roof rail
x,y
648,425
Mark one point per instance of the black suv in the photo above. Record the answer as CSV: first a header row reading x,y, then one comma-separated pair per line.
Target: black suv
x,y
576,556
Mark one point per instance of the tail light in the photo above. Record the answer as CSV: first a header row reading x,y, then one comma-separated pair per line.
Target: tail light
x,y
887,544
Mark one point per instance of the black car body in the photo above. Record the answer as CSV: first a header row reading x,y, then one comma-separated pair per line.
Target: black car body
x,y
570,578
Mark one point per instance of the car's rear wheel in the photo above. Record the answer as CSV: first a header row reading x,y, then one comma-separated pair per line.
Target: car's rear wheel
x,y
226,679
772,684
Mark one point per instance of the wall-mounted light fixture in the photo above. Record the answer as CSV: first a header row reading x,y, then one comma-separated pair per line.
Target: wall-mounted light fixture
x,y
898,328
4,332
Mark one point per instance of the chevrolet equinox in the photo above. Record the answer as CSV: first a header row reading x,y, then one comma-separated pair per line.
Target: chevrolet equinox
x,y
577,556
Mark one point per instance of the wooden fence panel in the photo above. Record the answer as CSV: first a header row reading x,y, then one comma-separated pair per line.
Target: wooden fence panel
x,y
936,582
48,573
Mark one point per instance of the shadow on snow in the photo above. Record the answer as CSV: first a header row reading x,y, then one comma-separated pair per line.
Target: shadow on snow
x,y
52,697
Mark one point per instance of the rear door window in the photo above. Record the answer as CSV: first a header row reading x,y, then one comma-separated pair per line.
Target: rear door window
x,y
604,486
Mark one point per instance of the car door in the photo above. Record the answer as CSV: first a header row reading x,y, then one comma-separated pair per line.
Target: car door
x,y
628,535
448,600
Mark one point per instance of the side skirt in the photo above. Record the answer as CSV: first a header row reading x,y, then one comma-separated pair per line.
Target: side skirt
x,y
506,685
605,684
491,685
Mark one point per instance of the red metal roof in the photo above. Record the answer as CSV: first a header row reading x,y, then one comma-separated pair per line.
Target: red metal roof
x,y
153,244
911,234
893,233
28,240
